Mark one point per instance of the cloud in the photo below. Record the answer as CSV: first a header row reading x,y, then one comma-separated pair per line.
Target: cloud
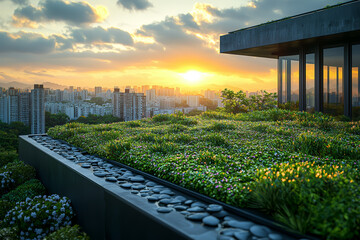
x,y
18,2
78,13
40,73
25,43
101,35
135,4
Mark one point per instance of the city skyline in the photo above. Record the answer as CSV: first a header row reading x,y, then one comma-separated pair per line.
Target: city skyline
x,y
150,42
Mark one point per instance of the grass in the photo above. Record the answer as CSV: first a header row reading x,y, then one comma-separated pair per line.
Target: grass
x,y
294,166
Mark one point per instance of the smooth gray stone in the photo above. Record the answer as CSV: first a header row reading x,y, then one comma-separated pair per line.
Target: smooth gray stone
x,y
212,208
165,201
225,238
100,174
196,209
144,194
168,192
221,214
228,218
246,225
180,208
211,221
134,191
260,231
242,235
188,202
199,204
121,178
152,199
196,216
110,179
137,179
150,184
138,187
126,185
159,186
164,210
162,196
275,236
175,201
145,191
181,198
156,190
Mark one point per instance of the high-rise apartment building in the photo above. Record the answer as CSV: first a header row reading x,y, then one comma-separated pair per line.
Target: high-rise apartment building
x,y
37,114
24,108
128,105
98,91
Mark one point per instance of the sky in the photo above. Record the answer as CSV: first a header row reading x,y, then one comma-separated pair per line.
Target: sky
x,y
137,42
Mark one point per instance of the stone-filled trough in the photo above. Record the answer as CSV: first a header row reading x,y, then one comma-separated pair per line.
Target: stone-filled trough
x,y
113,201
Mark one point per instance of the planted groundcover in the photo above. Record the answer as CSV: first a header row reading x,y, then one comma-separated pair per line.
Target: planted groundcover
x,y
299,168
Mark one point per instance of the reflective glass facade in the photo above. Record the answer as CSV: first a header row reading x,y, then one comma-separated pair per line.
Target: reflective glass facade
x,y
355,86
289,79
333,84
310,82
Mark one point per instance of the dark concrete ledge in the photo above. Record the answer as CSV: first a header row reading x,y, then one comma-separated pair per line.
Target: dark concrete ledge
x,y
283,37
105,210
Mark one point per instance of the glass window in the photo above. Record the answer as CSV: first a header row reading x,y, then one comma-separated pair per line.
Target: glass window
x,y
333,82
355,82
310,82
290,79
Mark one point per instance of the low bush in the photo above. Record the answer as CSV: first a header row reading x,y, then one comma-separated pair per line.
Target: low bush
x,y
5,206
216,139
221,126
68,232
303,195
7,157
216,115
29,189
14,174
37,217
9,233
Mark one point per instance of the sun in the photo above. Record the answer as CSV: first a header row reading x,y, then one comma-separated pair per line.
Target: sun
x,y
192,76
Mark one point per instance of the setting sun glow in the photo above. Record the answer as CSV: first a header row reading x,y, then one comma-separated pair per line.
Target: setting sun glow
x,y
192,76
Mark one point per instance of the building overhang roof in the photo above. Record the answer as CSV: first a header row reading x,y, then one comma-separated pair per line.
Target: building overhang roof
x,y
326,26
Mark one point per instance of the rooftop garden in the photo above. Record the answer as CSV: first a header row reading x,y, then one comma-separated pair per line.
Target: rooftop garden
x,y
299,168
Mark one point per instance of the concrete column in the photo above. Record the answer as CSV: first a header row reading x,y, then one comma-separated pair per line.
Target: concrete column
x,y
279,81
347,80
319,91
302,80
288,80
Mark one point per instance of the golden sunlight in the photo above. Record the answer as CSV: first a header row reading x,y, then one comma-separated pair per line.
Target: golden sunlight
x,y
192,76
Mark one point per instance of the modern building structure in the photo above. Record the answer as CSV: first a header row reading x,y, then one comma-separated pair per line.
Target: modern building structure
x,y
318,57
37,114
128,105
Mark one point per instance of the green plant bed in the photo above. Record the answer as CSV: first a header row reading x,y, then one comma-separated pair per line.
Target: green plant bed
x,y
29,189
223,155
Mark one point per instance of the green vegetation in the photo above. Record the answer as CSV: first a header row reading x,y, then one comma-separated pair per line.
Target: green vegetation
x,y
25,211
52,120
68,232
300,168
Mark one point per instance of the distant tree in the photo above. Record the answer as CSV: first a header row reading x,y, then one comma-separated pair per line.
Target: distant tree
x,y
97,100
194,112
96,119
183,104
210,105
52,120
237,102
234,102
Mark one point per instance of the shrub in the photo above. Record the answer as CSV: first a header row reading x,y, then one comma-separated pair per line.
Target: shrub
x,y
161,118
216,115
133,124
311,198
68,232
14,174
118,149
29,189
175,128
7,157
216,139
37,217
221,126
9,233
163,148
5,206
